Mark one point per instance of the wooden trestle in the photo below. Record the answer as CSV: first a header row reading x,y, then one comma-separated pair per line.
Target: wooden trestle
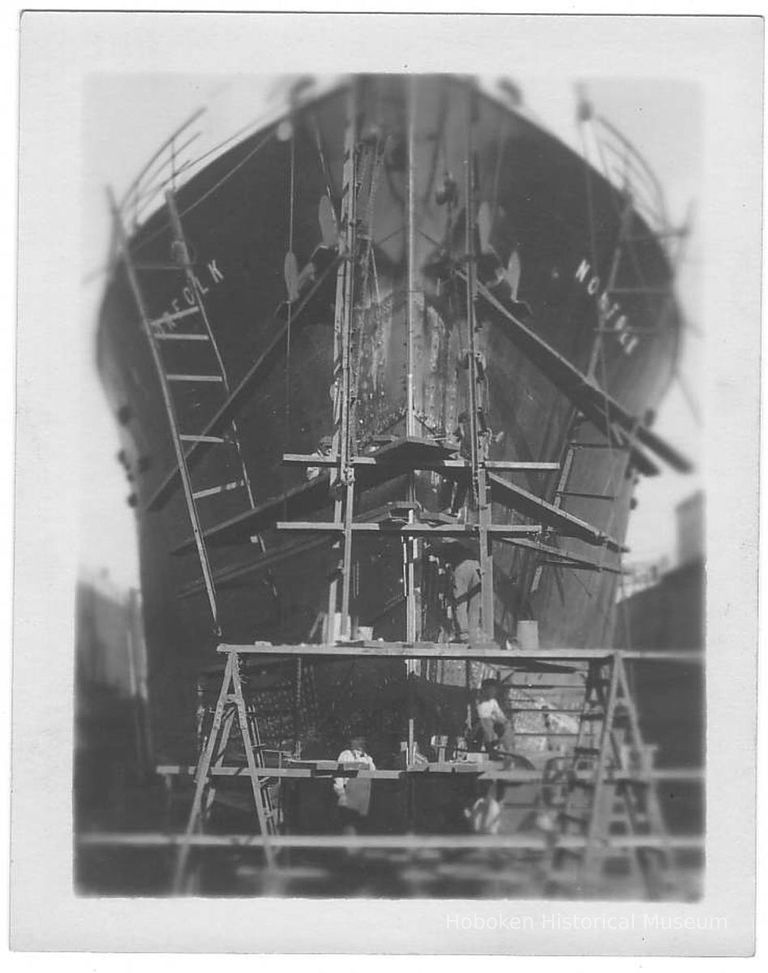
x,y
608,777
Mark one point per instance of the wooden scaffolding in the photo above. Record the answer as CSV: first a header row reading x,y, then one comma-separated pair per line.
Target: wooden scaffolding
x,y
605,802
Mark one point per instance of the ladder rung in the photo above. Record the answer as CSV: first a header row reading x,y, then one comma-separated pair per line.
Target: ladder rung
x,y
176,316
193,438
180,336
158,266
232,485
640,290
194,378
586,496
617,447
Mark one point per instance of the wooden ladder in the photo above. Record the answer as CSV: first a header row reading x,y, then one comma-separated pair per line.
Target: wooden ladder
x,y
231,708
611,792
189,365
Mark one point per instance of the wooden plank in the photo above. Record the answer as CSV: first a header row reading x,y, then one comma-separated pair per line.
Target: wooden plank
x,y
194,378
563,557
175,316
393,527
512,658
415,841
180,336
416,650
528,504
298,500
512,465
487,770
309,459
233,574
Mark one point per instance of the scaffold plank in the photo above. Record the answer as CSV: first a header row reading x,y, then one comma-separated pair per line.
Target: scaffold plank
x,y
457,650
397,527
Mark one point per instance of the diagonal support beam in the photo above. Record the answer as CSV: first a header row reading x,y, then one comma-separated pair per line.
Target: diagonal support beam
x,y
595,403
234,402
528,504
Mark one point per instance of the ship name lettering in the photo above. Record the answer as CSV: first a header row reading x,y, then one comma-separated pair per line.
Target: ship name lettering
x,y
198,285
582,271
213,270
607,307
603,304
190,294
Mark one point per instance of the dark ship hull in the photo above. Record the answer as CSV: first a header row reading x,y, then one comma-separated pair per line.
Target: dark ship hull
x,y
551,221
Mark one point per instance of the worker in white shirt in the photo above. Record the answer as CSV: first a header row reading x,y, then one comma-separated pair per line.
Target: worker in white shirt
x,y
354,793
484,816
496,726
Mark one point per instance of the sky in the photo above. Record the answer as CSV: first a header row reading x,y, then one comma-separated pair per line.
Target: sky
x,y
662,118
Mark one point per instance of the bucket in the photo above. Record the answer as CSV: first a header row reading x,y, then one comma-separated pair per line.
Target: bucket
x,y
528,636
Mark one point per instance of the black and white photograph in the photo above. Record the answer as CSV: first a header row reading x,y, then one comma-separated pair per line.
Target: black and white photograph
x,y
393,473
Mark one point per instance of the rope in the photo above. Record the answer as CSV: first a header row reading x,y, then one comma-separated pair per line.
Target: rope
x,y
225,178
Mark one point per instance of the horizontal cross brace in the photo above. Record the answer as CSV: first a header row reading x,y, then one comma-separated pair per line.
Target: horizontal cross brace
x,y
617,447
585,496
395,527
156,265
224,488
461,650
330,461
180,336
329,768
641,290
176,316
195,378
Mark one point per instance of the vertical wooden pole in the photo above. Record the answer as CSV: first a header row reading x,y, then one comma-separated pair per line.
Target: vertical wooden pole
x,y
343,476
202,775
410,416
256,780
598,819
477,457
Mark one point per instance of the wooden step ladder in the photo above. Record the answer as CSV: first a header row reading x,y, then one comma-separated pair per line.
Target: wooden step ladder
x,y
231,710
611,792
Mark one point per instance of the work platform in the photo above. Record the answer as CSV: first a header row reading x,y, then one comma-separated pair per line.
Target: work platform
x,y
604,786
474,652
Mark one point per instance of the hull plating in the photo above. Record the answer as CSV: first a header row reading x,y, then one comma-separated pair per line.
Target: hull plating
x,y
550,221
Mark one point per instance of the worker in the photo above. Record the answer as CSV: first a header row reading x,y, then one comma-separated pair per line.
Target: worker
x,y
462,443
467,592
495,724
354,793
484,816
